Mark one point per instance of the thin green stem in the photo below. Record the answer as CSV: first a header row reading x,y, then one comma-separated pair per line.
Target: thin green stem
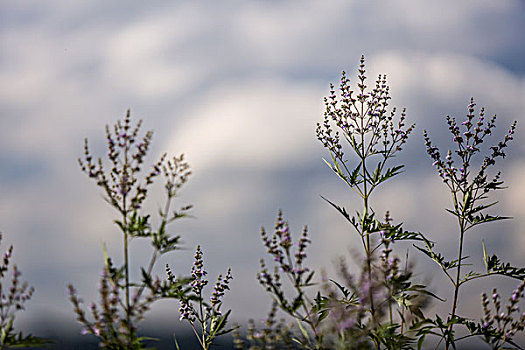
x,y
308,314
126,264
457,284
155,254
365,214
202,321
197,335
390,305
126,238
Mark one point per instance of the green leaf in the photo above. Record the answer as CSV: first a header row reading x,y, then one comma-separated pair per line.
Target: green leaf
x,y
467,199
390,173
303,330
308,279
337,169
496,267
353,177
480,219
485,256
297,302
218,324
396,233
422,289
343,289
341,210
377,174
146,278
420,341
453,213
480,208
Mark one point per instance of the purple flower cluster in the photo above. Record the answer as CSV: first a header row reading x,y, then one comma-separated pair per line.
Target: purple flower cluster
x,y
467,146
279,246
504,322
363,119
349,305
187,310
176,172
221,286
390,265
126,155
197,273
289,266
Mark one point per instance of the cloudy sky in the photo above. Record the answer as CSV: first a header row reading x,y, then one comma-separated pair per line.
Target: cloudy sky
x,y
237,86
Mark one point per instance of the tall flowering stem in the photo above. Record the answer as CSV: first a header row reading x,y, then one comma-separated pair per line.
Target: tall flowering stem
x,y
364,120
469,188
125,186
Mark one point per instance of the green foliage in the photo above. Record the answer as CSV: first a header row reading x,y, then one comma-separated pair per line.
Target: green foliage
x,y
10,339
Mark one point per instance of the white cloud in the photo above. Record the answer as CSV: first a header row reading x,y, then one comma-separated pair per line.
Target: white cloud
x,y
149,58
432,17
258,123
451,79
514,204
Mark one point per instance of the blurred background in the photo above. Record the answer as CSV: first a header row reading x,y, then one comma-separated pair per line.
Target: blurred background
x,y
237,86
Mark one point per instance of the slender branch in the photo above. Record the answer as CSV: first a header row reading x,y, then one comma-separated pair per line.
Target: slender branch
x,y
458,276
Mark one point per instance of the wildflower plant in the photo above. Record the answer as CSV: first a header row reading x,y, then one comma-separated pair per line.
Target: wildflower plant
x,y
470,187
375,136
357,311
207,316
125,185
289,268
13,295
